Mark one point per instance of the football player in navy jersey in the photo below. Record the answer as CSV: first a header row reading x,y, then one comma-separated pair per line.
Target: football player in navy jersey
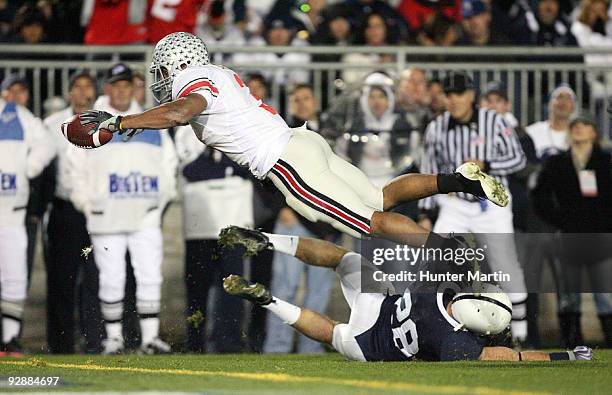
x,y
384,326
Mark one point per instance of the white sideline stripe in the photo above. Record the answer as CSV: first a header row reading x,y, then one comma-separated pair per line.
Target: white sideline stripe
x,y
285,378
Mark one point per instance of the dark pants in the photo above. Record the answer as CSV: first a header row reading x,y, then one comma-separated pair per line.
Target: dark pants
x,y
68,270
205,267
261,272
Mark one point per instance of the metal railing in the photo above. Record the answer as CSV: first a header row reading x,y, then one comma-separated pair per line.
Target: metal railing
x,y
530,73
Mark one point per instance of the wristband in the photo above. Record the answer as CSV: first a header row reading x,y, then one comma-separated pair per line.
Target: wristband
x,y
119,120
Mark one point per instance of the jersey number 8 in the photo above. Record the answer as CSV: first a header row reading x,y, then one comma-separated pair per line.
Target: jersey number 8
x,y
406,329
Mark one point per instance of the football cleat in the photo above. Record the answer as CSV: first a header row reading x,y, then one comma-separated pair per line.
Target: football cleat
x,y
253,241
112,346
253,292
155,347
480,184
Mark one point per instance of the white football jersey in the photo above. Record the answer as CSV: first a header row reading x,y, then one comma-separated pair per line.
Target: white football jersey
x,y
235,122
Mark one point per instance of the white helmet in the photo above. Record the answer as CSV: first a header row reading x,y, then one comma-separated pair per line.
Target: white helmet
x,y
172,54
487,312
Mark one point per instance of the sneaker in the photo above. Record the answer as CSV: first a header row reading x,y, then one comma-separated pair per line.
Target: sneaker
x,y
112,346
12,349
480,184
253,241
581,353
253,292
155,347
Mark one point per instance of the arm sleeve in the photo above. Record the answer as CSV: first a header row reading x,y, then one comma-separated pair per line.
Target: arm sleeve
x,y
461,346
428,163
507,156
198,81
41,148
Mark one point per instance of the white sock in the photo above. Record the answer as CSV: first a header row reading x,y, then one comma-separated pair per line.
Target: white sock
x,y
149,329
114,330
285,311
285,244
10,329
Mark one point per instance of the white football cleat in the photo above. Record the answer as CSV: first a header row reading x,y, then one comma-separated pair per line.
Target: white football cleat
x,y
155,346
112,346
483,185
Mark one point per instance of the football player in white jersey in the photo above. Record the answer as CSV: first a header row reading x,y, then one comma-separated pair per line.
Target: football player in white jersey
x,y
315,182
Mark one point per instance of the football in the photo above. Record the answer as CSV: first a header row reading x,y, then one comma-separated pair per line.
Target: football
x,y
78,134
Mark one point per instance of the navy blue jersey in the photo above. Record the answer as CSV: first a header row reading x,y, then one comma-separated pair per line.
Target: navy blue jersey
x,y
414,326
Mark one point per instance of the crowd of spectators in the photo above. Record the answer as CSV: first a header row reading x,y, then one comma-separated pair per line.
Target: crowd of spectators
x,y
317,22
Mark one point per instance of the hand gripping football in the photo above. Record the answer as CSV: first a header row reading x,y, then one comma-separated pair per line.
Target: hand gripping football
x,y
78,134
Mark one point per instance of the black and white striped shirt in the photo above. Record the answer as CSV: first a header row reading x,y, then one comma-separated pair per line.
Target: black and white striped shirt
x,y
487,137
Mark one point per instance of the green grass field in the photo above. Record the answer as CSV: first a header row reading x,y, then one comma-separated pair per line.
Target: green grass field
x,y
255,374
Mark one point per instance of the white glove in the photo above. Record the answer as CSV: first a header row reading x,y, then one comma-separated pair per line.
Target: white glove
x,y
581,353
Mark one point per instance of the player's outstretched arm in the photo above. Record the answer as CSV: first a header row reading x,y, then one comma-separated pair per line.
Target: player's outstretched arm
x,y
580,353
175,113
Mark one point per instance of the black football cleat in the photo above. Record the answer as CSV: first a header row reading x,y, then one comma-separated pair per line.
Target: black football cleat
x,y
253,241
253,292
480,184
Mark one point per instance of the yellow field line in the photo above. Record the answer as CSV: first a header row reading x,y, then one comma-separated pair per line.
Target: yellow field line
x,y
282,377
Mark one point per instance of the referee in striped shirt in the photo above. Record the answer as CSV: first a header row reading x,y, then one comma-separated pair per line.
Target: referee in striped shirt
x,y
466,133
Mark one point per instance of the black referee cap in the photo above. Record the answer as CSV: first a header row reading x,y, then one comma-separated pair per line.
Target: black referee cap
x,y
457,82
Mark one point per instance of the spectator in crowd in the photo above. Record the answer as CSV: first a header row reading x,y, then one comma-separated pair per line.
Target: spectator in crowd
x,y
215,193
258,86
550,136
495,148
376,135
541,246
164,18
543,26
128,21
334,29
304,16
25,150
216,28
413,97
286,270
30,26
438,30
66,232
16,89
61,17
139,88
590,31
419,12
374,32
573,194
278,32
437,98
362,9
477,27
122,190
8,9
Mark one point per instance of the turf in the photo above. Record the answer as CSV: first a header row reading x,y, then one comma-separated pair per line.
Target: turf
x,y
255,374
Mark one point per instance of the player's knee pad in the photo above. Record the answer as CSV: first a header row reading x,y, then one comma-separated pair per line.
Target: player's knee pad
x,y
345,343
